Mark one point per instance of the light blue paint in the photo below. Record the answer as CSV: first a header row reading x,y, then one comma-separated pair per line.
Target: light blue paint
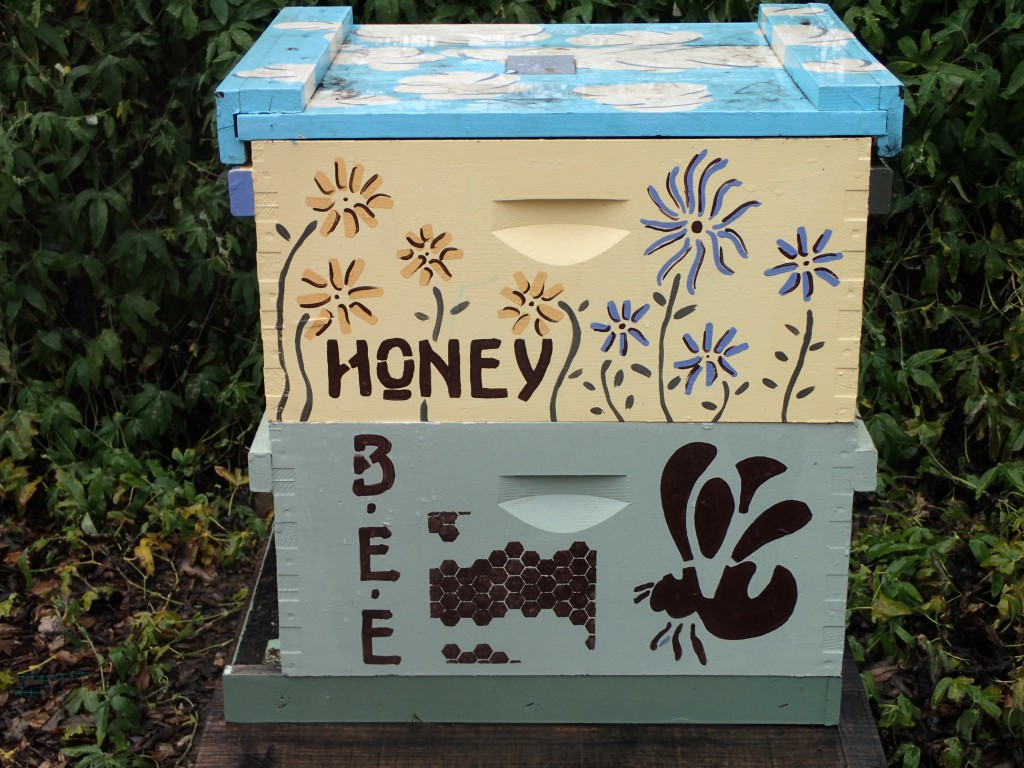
x,y
797,72
241,192
846,88
579,125
278,47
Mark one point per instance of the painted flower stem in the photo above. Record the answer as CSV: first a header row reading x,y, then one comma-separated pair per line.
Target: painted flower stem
x,y
280,312
574,346
307,407
440,312
725,402
798,367
604,385
669,307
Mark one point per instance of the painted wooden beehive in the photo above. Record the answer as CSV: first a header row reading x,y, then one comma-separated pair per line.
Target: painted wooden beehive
x,y
653,235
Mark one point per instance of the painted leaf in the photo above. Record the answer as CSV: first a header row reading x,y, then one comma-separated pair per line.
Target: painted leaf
x,y
283,232
742,387
816,346
707,405
576,374
769,383
588,385
782,356
583,306
619,378
674,382
461,306
421,316
804,393
793,329
641,369
629,402
684,311
596,411
658,299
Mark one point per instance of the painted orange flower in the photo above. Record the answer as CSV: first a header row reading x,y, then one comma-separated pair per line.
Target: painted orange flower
x,y
531,303
339,292
427,254
347,199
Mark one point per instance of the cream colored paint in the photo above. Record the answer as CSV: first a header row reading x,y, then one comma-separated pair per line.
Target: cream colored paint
x,y
570,212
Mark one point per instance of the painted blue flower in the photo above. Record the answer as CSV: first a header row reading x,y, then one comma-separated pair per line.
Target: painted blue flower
x,y
621,326
709,356
696,223
803,266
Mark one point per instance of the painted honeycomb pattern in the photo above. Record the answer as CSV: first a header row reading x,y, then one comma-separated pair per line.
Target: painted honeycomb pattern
x,y
516,579
482,654
444,524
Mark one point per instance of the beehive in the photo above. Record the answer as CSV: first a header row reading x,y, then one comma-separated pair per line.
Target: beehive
x,y
561,328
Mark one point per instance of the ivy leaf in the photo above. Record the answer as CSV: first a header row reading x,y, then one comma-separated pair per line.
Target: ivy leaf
x,y
220,11
1016,80
619,378
421,316
576,374
642,370
658,299
804,393
782,356
769,383
684,311
461,306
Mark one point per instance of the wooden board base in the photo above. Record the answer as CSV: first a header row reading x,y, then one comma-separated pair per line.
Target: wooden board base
x,y
853,743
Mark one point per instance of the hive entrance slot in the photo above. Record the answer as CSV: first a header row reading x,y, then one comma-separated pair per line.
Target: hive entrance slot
x,y
559,232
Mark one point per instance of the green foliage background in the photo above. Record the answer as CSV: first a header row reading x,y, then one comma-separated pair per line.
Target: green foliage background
x,y
130,365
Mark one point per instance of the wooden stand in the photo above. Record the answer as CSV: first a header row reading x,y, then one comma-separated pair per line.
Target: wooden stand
x,y
854,743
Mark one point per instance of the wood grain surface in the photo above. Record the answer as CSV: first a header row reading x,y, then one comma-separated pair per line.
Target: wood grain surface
x,y
853,743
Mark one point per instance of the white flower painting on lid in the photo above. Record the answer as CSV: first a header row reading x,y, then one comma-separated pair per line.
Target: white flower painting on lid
x,y
461,85
648,97
808,34
781,10
451,34
308,26
324,99
675,57
844,66
691,57
635,37
386,58
297,73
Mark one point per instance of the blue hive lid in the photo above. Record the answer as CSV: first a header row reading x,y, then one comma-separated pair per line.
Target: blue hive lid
x,y
797,72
